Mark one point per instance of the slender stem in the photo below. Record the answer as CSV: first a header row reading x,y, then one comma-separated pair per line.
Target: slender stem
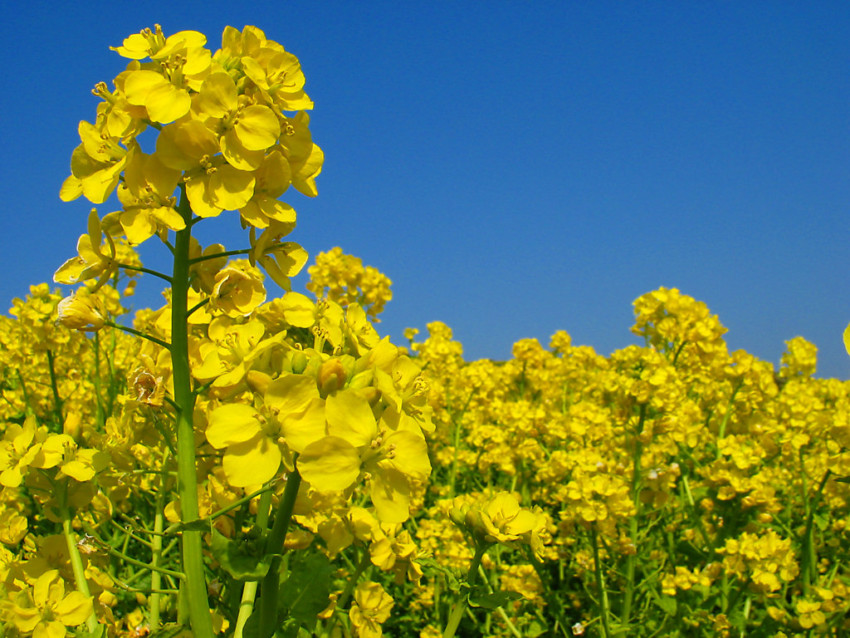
x,y
155,273
460,605
249,590
721,432
74,554
600,584
274,545
499,610
139,333
228,253
57,400
156,545
631,560
365,561
194,585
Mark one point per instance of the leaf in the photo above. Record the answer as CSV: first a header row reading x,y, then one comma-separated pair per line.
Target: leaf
x,y
822,521
306,591
667,604
431,567
481,598
242,560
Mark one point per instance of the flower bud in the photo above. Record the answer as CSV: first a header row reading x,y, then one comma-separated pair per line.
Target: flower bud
x,y
81,312
299,361
258,381
331,376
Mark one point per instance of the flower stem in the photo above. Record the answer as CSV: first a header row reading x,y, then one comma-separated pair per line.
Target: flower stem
x,y
156,546
194,585
274,545
600,584
631,560
249,590
76,560
460,605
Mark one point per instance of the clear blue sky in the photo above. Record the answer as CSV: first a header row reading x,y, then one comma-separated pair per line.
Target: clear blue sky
x,y
515,167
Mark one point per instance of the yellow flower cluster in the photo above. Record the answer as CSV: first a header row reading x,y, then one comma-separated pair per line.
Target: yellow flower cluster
x,y
222,137
342,278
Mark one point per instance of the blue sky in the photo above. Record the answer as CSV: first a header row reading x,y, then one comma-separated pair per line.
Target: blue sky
x,y
516,168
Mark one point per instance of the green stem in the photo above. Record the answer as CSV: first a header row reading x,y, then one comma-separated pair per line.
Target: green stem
x,y
194,585
499,610
139,333
228,253
274,545
721,433
76,559
57,400
155,273
600,585
460,605
156,546
249,590
631,560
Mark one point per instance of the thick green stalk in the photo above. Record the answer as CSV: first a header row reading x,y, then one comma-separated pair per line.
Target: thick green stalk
x,y
271,583
194,586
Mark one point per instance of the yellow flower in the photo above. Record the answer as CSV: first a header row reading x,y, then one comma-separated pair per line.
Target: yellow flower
x,y
252,450
91,261
18,450
809,614
47,611
81,311
238,289
96,165
371,608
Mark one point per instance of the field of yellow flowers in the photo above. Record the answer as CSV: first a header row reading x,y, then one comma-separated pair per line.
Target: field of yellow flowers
x,y
229,464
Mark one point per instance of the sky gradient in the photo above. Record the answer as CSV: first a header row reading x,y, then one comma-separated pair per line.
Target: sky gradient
x,y
516,168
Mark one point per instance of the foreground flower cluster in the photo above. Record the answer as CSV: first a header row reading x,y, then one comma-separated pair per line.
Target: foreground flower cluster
x,y
229,464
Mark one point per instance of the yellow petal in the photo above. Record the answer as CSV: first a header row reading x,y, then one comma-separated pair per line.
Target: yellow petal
x,y
298,310
330,464
74,609
49,629
390,493
300,430
847,338
257,127
251,463
350,417
218,95
231,188
291,394
232,423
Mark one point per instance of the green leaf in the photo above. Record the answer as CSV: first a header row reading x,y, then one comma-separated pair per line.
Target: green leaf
x,y
667,604
431,567
242,560
481,598
306,591
822,521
